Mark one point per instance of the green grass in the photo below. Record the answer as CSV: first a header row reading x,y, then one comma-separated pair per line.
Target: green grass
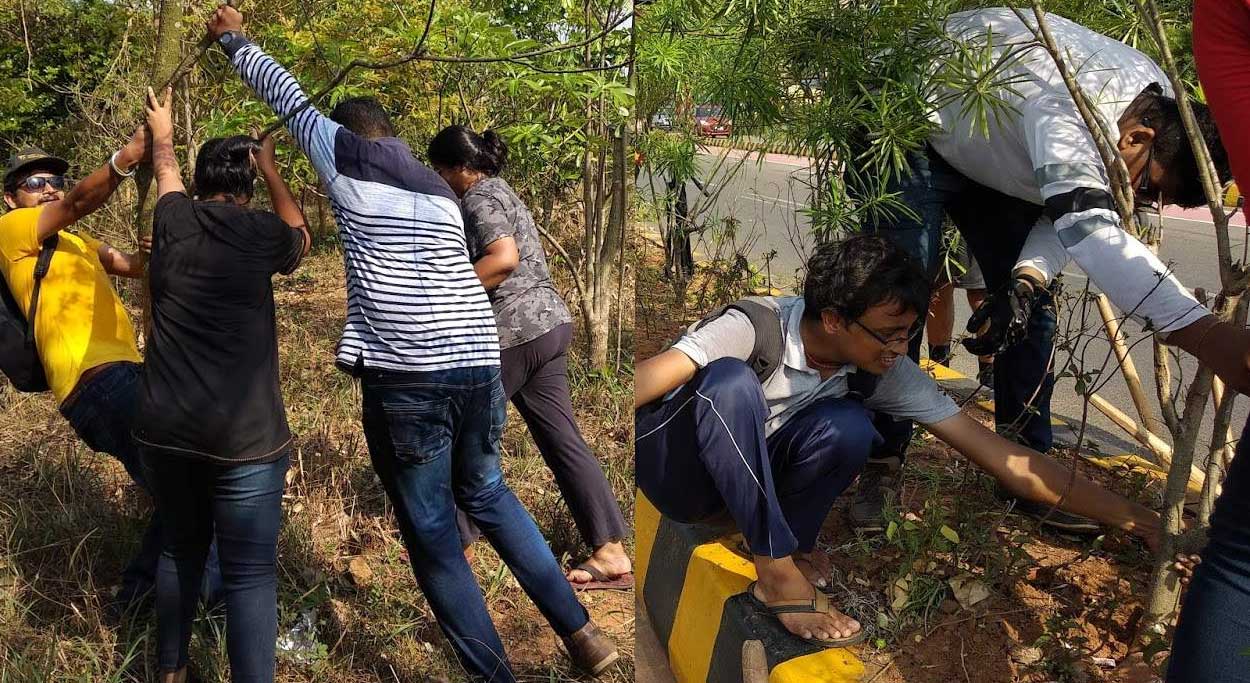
x,y
70,519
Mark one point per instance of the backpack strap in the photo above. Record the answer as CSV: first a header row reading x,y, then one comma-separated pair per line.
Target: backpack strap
x,y
861,384
765,318
41,270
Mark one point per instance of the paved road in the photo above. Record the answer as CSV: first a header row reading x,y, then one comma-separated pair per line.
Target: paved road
x,y
766,198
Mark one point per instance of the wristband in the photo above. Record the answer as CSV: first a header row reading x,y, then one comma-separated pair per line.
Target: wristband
x,y
118,171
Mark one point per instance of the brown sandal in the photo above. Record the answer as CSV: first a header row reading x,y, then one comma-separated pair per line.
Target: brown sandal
x,y
817,604
600,581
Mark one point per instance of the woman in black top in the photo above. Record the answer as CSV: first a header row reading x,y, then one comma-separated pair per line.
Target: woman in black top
x,y
535,328
211,424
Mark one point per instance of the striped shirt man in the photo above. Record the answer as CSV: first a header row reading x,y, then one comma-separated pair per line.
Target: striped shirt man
x,y
414,303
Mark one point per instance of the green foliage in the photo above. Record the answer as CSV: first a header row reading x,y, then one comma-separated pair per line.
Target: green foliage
x,y
49,52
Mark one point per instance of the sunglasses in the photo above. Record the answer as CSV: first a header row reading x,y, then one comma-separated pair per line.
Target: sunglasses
x,y
37,183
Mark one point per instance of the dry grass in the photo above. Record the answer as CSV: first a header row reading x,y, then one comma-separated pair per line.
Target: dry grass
x,y
70,518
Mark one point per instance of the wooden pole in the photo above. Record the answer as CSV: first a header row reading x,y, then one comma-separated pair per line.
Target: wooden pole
x,y
1118,344
1160,448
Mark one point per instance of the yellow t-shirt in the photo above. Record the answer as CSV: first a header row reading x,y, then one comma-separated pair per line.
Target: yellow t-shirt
x,y
81,322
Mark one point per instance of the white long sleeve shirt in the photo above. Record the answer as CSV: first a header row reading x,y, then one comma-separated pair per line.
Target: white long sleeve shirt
x,y
1042,148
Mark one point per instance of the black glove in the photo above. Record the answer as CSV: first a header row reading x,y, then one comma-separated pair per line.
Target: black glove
x,y
1007,312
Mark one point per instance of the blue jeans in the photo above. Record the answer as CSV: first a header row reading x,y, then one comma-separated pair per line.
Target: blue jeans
x,y
101,413
994,227
1212,642
702,454
434,441
240,505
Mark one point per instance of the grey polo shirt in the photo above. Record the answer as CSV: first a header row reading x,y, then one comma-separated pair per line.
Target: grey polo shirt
x,y
905,391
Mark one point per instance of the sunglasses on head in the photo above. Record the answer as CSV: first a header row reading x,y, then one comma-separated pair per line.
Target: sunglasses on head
x,y
37,183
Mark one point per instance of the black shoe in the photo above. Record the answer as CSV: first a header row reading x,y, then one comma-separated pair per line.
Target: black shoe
x,y
1058,519
869,501
985,374
940,354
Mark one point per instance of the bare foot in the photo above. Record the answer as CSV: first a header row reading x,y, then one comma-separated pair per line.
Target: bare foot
x,y
1134,669
780,579
609,558
816,566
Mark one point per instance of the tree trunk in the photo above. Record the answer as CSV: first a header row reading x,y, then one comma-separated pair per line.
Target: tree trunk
x,y
164,63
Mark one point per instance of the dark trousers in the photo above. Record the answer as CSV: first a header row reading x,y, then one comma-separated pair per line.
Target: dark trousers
x,y
702,453
241,506
536,380
434,441
1213,634
102,413
994,226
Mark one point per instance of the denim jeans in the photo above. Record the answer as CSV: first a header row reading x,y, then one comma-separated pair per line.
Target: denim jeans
x,y
434,441
102,414
994,227
702,454
1212,642
240,505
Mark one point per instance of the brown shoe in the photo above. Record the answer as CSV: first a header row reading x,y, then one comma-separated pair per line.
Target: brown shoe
x,y
591,650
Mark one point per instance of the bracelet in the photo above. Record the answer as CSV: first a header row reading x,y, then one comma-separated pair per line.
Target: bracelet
x,y
118,171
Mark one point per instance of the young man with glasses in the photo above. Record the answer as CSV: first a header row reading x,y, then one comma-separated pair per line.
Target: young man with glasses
x,y
83,333
714,440
1029,195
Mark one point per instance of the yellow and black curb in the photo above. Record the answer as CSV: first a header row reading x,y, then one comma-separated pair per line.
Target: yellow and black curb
x,y
693,586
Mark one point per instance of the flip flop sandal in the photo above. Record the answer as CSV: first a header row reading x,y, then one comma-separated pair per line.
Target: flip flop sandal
x,y
819,604
602,582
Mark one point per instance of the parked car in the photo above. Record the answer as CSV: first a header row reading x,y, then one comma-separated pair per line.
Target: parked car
x,y
662,120
710,121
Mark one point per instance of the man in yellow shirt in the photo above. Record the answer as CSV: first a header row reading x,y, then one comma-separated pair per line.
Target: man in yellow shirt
x,y
83,334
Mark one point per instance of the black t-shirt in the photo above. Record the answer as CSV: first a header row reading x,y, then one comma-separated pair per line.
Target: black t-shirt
x,y
210,383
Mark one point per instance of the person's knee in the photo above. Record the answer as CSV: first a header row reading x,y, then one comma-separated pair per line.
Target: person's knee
x,y
848,432
727,373
729,379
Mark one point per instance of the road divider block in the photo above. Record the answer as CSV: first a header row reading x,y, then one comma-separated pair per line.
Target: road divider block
x,y
693,584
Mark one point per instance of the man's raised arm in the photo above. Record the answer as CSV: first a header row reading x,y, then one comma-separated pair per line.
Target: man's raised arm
x,y
312,130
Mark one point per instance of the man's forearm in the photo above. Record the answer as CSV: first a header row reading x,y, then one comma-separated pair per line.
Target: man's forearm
x,y
165,167
85,197
1031,475
284,203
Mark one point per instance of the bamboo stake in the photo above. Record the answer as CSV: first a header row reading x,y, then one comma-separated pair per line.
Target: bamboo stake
x,y
1160,448
1116,334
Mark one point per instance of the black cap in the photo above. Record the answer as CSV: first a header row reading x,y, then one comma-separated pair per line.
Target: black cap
x,y
32,156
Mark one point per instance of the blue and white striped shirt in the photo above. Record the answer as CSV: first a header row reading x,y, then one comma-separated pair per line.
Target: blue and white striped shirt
x,y
414,302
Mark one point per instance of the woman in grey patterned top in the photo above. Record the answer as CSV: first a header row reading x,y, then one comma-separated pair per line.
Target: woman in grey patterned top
x,y
535,328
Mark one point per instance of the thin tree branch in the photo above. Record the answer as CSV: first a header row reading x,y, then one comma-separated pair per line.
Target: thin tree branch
x,y
1121,185
416,55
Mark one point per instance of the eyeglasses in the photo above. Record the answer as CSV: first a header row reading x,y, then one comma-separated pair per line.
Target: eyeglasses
x,y
37,183
905,340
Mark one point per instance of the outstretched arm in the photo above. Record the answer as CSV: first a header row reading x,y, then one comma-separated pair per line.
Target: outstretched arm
x,y
312,131
1031,475
91,192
